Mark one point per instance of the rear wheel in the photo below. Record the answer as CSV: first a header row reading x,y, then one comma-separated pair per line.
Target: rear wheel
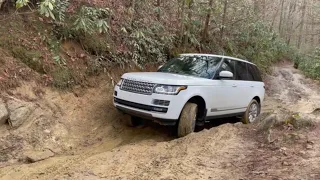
x,y
187,122
252,112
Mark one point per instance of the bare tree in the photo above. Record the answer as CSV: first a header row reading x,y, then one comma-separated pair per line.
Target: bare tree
x,y
303,14
158,10
207,21
289,20
224,18
182,29
281,16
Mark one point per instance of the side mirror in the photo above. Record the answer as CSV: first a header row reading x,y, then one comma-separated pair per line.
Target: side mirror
x,y
160,67
226,74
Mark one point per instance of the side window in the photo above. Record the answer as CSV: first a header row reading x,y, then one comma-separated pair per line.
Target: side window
x,y
257,76
251,73
241,71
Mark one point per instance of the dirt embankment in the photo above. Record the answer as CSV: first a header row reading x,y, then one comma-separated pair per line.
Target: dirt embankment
x,y
87,139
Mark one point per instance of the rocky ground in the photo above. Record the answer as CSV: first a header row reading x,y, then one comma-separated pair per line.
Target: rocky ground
x,y
46,134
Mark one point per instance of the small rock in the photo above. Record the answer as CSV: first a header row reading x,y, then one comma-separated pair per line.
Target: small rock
x,y
310,142
302,153
4,114
285,163
267,123
309,147
283,150
19,112
47,131
228,165
82,55
36,156
316,111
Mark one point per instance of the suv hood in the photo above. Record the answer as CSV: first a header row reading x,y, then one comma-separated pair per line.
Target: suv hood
x,y
166,78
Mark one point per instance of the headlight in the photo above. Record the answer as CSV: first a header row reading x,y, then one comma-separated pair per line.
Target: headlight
x,y
169,90
119,83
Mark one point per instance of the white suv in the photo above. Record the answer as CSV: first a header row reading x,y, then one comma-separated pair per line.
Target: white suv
x,y
191,89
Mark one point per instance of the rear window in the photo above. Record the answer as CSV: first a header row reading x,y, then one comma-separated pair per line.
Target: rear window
x,y
241,71
247,72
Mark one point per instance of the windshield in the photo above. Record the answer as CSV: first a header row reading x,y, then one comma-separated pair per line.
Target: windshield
x,y
200,66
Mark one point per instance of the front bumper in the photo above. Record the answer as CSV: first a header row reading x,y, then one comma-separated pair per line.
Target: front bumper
x,y
142,106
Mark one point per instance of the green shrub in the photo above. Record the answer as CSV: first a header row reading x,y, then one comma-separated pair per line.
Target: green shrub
x,y
309,64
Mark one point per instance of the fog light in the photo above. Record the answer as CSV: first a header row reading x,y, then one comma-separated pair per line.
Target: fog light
x,y
159,109
161,102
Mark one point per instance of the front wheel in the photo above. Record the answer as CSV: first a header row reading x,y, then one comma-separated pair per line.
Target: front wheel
x,y
133,121
252,112
187,122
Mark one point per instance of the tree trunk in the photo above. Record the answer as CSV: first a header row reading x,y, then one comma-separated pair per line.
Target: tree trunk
x,y
312,29
188,26
289,25
302,23
264,6
274,19
182,21
224,18
281,16
158,10
207,21
1,2
133,8
256,7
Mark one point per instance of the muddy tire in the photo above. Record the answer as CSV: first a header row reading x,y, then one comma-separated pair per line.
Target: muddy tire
x,y
252,112
187,120
133,121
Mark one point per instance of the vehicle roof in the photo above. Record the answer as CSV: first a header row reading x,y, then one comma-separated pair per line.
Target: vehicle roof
x,y
214,55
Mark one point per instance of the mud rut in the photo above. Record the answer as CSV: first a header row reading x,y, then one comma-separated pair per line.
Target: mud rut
x,y
90,141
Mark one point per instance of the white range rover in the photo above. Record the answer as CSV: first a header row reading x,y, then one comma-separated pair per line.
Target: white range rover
x,y
191,89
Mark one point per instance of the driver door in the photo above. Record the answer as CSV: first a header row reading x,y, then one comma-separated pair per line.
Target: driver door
x,y
224,92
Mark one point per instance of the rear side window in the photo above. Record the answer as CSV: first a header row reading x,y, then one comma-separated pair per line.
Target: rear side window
x,y
253,73
241,71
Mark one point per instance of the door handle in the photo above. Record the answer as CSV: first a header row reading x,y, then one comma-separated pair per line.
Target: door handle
x,y
234,85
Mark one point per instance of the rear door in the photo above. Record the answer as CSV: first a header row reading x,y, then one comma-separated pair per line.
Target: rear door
x,y
244,94
257,85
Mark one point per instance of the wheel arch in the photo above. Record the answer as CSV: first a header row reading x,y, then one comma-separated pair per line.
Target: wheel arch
x,y
257,98
202,106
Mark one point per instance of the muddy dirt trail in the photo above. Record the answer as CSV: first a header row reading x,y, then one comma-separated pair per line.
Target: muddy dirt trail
x,y
88,140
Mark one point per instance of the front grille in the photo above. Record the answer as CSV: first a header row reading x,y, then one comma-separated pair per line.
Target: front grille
x,y
137,87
